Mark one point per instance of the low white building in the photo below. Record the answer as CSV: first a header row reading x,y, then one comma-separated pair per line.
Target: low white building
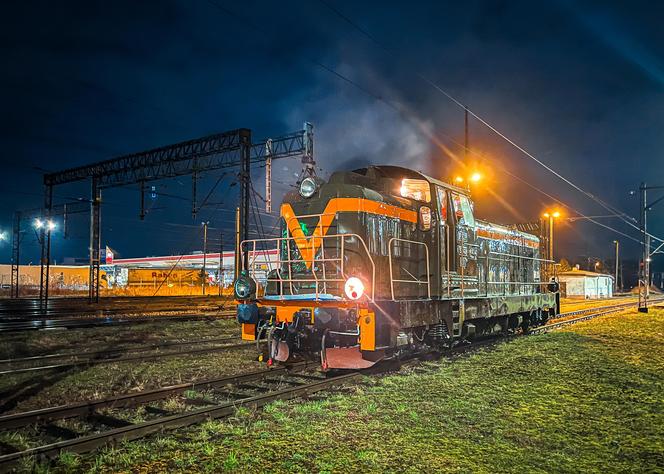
x,y
584,284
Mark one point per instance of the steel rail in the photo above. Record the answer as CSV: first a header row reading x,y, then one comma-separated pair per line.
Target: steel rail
x,y
90,362
131,432
598,308
52,324
17,316
18,420
110,352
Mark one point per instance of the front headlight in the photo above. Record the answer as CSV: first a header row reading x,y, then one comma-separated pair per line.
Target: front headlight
x,y
354,288
308,187
244,287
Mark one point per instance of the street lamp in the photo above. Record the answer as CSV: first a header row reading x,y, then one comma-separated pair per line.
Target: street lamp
x,y
644,207
3,236
474,177
45,228
203,270
551,215
615,281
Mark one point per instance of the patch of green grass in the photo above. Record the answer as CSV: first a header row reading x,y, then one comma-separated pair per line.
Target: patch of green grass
x,y
69,461
104,380
589,398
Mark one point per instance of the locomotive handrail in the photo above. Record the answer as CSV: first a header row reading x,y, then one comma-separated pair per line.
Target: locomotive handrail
x,y
313,260
522,257
416,281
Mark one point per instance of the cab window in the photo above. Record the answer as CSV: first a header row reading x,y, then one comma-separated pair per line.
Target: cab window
x,y
463,209
442,204
417,189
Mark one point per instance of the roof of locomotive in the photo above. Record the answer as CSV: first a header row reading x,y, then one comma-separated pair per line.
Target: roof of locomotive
x,y
378,172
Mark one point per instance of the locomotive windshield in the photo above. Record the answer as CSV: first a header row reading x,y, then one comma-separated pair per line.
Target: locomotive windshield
x,y
417,189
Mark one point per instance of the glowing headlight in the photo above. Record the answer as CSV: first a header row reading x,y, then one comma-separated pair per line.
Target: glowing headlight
x,y
354,288
307,187
244,287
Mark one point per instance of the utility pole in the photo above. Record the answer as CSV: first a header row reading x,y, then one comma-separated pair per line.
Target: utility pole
x,y
203,271
220,275
268,176
644,280
245,187
16,247
465,138
236,266
551,237
615,282
45,241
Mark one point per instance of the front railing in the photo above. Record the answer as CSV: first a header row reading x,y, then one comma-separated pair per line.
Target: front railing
x,y
314,252
413,280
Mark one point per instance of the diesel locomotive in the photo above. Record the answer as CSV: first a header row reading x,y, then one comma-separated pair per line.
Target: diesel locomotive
x,y
381,262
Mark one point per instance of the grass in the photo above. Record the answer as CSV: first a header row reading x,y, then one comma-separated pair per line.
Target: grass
x,y
104,380
23,392
111,337
589,398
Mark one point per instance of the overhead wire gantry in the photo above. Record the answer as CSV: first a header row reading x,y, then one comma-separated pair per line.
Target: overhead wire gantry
x,y
192,157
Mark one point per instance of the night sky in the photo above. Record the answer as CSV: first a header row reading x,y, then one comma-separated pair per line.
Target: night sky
x,y
577,84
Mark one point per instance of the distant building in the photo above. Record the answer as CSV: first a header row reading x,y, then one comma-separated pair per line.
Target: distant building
x,y
584,284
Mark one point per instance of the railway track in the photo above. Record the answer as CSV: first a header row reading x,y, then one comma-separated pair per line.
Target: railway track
x,y
89,358
79,323
18,309
589,311
106,424
110,420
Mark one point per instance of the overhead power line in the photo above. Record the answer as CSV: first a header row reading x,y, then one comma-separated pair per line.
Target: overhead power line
x,y
622,215
379,98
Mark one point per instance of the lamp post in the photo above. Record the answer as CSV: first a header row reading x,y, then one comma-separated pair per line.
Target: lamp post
x,y
644,280
615,282
203,270
45,228
551,215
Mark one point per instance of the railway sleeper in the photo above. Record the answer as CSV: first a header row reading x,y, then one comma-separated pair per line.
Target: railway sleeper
x,y
199,402
57,433
107,420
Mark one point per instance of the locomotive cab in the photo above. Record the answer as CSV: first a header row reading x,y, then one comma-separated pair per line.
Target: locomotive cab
x,y
379,262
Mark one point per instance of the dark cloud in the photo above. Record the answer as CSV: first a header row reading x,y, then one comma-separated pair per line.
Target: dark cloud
x,y
577,84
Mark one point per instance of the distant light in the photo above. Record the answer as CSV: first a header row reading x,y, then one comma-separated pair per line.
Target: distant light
x,y
458,179
38,224
475,177
556,214
3,236
648,259
546,214
51,225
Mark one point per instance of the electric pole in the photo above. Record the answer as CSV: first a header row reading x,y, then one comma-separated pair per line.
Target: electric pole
x,y
220,275
465,136
644,280
236,265
615,283
203,270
